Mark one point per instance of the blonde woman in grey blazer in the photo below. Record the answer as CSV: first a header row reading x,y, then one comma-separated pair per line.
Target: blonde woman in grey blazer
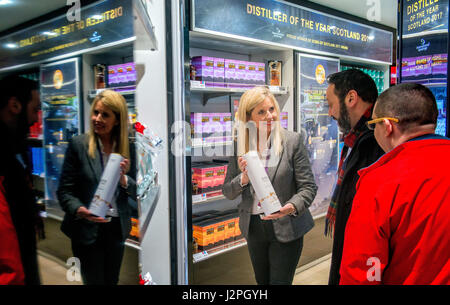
x,y
275,242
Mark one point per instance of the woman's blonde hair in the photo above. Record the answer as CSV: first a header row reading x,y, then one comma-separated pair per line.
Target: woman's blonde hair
x,y
117,104
249,100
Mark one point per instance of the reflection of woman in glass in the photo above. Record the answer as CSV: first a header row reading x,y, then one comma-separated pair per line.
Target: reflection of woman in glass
x,y
274,242
98,242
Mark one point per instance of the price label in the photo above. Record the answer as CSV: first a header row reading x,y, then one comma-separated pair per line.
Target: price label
x,y
197,198
275,89
200,256
195,84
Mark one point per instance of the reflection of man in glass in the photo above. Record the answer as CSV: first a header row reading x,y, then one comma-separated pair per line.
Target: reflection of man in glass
x,y
351,95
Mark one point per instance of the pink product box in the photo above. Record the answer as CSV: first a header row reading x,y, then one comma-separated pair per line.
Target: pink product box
x,y
204,67
219,72
230,71
284,120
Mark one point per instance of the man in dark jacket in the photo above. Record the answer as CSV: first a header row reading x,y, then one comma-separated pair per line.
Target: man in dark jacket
x,y
351,95
19,107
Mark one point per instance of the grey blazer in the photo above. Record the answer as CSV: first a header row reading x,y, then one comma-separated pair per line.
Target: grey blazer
x,y
80,177
293,182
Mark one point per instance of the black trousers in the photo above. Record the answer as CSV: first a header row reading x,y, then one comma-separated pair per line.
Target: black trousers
x,y
274,262
101,261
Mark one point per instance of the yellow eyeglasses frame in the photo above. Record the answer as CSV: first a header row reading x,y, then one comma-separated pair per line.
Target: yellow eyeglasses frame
x,y
371,124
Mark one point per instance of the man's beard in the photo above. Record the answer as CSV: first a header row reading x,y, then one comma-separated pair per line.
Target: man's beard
x,y
344,119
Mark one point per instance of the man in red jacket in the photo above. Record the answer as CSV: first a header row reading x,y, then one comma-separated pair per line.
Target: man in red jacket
x,y
11,270
398,230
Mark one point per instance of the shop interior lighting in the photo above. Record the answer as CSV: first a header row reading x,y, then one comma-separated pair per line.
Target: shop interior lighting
x,y
5,2
97,17
10,45
49,33
371,37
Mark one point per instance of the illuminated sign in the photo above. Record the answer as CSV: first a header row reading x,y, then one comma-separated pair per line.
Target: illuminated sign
x,y
101,23
294,26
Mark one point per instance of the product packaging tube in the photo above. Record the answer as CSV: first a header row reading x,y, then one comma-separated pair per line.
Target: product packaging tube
x,y
101,202
261,184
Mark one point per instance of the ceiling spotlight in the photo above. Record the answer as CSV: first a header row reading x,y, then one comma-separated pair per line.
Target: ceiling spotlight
x,y
5,2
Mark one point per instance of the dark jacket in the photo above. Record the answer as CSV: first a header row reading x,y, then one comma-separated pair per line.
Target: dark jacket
x,y
80,177
22,203
364,152
293,182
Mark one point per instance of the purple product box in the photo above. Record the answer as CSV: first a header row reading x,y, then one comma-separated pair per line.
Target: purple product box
x,y
196,125
112,76
230,72
241,73
130,72
261,73
284,120
219,72
204,67
251,73
439,64
206,123
121,75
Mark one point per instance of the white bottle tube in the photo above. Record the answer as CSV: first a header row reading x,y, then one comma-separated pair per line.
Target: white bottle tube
x,y
261,184
101,202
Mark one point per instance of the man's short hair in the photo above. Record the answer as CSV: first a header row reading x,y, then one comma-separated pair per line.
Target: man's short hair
x,y
412,104
18,87
354,79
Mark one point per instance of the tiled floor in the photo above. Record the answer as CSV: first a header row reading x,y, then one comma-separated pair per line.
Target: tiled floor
x,y
54,272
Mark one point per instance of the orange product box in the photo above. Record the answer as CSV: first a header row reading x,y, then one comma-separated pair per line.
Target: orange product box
x,y
204,233
230,229
237,231
134,228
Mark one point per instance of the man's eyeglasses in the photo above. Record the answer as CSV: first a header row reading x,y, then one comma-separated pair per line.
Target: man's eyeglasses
x,y
371,124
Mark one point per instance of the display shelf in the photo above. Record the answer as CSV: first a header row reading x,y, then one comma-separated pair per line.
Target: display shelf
x,y
133,244
206,254
129,90
207,197
196,144
213,92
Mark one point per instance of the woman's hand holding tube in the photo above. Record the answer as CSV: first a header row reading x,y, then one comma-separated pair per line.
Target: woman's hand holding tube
x,y
84,213
287,209
243,167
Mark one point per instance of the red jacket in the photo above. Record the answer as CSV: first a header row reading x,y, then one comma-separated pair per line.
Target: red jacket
x,y
11,270
399,227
